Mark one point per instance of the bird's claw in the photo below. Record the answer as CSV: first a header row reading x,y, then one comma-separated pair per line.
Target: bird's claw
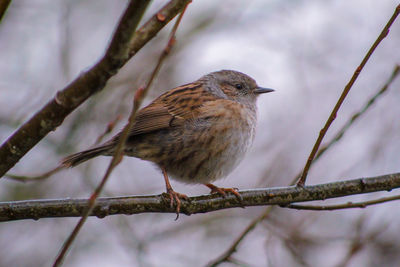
x,y
223,191
175,197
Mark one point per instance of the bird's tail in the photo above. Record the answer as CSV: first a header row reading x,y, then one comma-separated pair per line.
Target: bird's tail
x,y
80,157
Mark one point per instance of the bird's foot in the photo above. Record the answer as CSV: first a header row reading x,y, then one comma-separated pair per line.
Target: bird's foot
x,y
223,191
175,198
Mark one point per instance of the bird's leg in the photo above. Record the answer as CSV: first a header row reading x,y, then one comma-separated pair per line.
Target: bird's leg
x,y
173,196
223,191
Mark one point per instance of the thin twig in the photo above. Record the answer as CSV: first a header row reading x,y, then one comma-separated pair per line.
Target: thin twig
x,y
357,242
135,9
125,43
118,155
164,54
367,105
355,117
360,241
346,90
348,205
227,254
40,177
36,209
48,174
109,129
37,178
3,7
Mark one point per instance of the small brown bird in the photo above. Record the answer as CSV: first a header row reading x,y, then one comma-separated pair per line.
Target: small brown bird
x,y
196,133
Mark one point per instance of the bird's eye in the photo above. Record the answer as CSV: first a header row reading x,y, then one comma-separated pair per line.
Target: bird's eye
x,y
238,86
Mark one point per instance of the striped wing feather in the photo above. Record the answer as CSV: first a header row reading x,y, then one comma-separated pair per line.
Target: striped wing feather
x,y
170,109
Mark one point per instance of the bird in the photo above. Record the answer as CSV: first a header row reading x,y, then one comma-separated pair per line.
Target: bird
x,y
196,133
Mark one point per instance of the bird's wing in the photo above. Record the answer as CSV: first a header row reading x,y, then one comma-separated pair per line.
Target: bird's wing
x,y
172,108
152,118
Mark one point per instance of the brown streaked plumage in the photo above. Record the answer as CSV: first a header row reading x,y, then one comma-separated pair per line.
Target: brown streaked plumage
x,y
196,133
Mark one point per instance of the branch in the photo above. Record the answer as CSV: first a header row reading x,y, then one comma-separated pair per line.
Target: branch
x,y
355,117
36,209
3,7
119,150
124,44
43,176
227,255
348,205
40,177
361,240
346,90
108,130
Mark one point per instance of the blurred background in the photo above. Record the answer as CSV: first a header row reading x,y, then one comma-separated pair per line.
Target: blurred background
x,y
306,50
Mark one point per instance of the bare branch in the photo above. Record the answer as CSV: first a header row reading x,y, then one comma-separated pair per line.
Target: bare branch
x,y
227,255
43,176
360,240
321,151
232,249
124,44
119,45
108,130
119,151
36,209
40,177
346,90
348,205
3,7
355,117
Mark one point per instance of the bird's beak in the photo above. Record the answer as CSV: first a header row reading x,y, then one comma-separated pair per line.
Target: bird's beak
x,y
261,90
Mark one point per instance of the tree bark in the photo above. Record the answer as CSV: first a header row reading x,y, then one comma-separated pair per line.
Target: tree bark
x,y
124,44
36,209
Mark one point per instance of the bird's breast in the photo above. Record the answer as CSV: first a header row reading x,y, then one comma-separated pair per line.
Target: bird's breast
x,y
214,143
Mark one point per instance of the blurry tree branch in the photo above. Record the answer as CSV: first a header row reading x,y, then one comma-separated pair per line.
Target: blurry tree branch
x,y
36,178
357,115
45,175
227,255
348,205
36,209
340,133
4,4
346,90
119,150
321,151
125,43
360,240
